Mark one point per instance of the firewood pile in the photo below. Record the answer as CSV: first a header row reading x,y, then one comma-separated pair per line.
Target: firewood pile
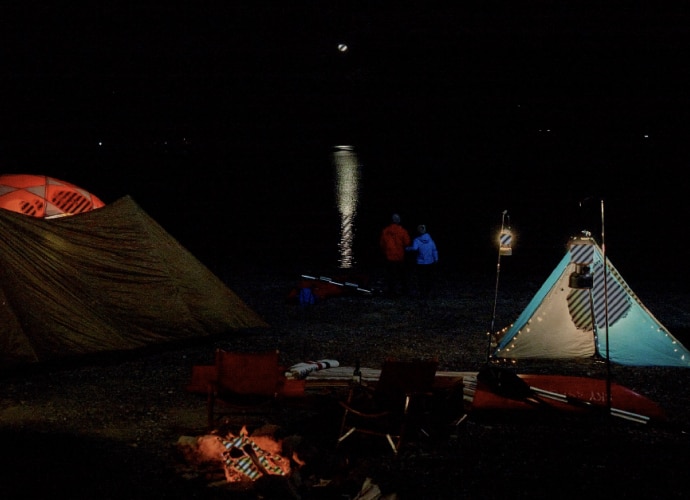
x,y
261,464
236,458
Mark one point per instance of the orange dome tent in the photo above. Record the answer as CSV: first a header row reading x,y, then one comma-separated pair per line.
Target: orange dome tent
x,y
44,197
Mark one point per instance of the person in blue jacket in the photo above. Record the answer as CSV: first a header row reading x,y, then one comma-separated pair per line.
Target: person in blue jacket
x,y
427,258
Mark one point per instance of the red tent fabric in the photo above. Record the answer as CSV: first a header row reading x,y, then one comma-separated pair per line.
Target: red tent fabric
x,y
44,197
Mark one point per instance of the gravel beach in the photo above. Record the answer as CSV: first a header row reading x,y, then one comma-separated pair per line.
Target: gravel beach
x,y
107,427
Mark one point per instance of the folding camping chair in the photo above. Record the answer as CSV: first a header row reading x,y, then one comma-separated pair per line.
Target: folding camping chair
x,y
393,408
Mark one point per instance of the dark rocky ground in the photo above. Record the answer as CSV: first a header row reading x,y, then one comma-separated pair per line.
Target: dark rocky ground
x,y
107,427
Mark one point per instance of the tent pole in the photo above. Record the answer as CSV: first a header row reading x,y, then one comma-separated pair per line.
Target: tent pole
x,y
606,314
498,271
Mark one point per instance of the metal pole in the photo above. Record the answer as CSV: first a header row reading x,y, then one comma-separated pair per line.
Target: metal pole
x,y
606,314
498,271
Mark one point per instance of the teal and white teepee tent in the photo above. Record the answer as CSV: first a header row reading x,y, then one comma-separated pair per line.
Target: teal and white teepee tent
x,y
576,315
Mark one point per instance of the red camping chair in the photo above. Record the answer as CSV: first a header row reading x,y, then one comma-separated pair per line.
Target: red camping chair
x,y
245,382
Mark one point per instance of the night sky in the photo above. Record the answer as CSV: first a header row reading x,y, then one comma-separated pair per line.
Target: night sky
x,y
227,110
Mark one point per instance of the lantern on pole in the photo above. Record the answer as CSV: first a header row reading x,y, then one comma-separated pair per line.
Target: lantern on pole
x,y
505,242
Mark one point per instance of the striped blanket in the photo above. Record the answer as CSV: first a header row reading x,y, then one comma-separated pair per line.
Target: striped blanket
x,y
302,370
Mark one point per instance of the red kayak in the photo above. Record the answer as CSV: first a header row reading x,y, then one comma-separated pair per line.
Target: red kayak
x,y
322,287
496,389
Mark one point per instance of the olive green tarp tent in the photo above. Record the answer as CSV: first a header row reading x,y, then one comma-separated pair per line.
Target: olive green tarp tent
x,y
111,279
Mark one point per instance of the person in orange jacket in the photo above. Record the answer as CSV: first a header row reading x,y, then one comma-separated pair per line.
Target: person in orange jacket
x,y
393,241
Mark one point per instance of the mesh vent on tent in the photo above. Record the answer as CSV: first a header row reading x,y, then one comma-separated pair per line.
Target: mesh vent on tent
x,y
581,308
618,300
70,202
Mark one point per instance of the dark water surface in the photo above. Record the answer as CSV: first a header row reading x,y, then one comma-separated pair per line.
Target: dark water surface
x,y
274,196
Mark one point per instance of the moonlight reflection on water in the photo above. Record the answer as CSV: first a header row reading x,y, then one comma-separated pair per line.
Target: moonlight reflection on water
x,y
347,197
